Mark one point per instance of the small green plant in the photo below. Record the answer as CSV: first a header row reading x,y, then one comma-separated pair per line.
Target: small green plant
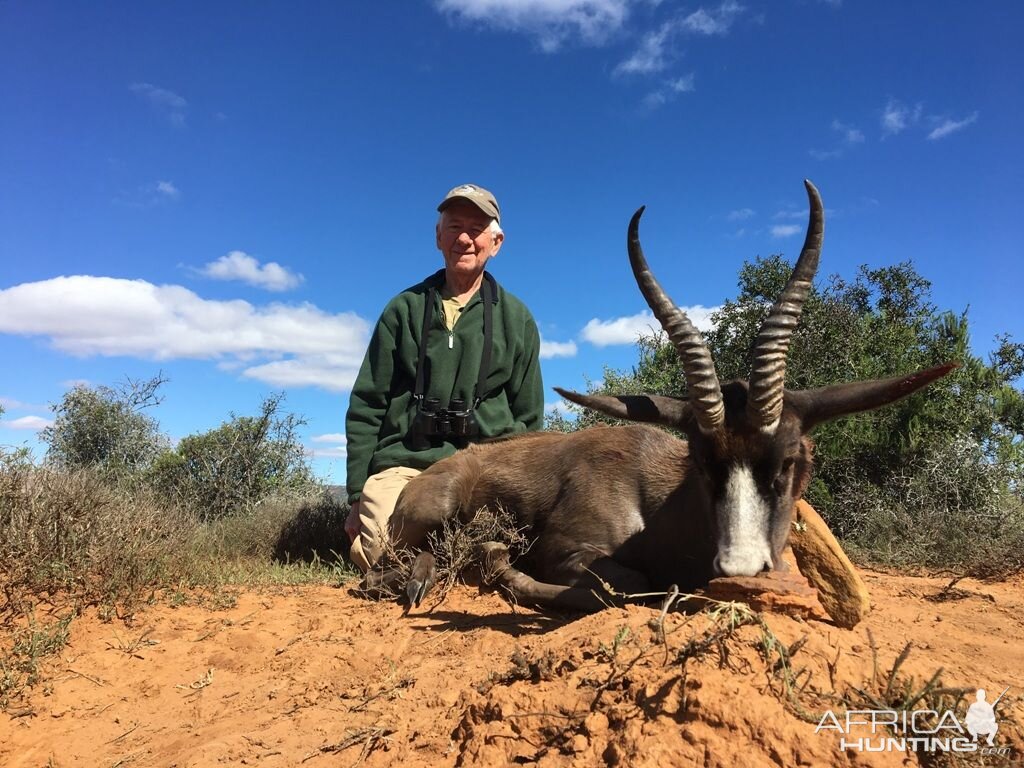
x,y
32,643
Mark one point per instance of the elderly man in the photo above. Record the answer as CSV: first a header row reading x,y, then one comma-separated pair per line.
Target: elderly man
x,y
453,359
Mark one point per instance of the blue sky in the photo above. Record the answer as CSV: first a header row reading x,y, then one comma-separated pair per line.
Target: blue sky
x,y
230,192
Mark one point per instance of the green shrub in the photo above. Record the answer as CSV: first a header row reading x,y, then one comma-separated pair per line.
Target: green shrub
x,y
238,466
105,429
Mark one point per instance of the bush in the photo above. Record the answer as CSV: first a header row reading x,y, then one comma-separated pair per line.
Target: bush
x,y
71,530
238,466
104,429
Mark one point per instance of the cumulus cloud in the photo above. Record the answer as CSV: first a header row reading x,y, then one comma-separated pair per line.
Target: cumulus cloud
x,y
550,349
897,117
948,126
87,316
29,423
330,437
239,265
551,22
167,103
626,330
785,230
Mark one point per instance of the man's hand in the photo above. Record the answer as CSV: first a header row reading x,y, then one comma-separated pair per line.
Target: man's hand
x,y
352,523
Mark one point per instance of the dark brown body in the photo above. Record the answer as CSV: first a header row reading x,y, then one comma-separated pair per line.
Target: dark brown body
x,y
610,499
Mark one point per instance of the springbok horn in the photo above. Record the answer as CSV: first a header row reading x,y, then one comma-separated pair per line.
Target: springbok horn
x,y
705,393
768,357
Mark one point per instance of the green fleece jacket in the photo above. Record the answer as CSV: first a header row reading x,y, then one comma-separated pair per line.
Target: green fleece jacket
x,y
382,406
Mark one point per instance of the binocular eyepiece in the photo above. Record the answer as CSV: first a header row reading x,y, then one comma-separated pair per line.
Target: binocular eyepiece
x,y
432,421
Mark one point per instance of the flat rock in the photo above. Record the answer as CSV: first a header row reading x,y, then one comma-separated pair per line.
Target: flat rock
x,y
776,592
819,557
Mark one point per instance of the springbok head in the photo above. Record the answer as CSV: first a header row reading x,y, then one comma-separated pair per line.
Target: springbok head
x,y
748,439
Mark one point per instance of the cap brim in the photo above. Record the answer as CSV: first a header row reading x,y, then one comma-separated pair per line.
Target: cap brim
x,y
488,210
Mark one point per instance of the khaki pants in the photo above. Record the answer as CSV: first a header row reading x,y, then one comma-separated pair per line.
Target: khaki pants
x,y
376,504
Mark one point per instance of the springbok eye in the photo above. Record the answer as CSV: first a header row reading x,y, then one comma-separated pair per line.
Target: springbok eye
x,y
781,483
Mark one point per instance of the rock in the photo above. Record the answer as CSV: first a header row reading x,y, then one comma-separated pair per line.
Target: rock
x,y
819,557
776,592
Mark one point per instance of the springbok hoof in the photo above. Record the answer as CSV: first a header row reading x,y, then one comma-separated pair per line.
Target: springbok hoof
x,y
421,579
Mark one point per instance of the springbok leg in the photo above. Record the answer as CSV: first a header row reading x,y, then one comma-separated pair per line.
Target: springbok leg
x,y
589,594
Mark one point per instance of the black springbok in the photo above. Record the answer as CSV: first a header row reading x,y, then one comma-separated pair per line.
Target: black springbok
x,y
633,505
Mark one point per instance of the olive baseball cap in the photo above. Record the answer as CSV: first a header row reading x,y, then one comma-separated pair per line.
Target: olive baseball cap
x,y
478,196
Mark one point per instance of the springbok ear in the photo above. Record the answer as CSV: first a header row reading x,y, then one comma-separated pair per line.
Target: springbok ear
x,y
656,409
819,405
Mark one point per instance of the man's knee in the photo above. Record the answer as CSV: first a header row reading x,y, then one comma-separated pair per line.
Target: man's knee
x,y
376,505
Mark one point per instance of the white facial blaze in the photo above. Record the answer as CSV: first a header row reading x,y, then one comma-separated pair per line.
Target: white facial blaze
x,y
744,547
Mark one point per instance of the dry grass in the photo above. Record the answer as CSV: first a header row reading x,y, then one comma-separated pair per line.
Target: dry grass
x,y
455,547
70,537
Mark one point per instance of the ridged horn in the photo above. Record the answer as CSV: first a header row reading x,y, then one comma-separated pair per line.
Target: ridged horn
x,y
705,393
768,357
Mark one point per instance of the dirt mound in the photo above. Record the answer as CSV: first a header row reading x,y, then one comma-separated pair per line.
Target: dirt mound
x,y
318,677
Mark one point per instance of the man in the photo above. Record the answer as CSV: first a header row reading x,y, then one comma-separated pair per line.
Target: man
x,y
452,360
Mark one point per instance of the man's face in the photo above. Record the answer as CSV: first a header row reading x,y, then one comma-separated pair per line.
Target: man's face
x,y
465,239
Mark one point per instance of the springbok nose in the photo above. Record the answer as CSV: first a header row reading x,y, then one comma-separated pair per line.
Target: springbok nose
x,y
729,565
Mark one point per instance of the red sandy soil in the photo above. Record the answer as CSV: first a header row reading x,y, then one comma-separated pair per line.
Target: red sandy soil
x,y
317,676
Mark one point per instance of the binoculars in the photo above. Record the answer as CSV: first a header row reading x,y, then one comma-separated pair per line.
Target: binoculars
x,y
432,421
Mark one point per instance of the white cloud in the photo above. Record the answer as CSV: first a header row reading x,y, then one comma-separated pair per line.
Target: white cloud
x,y
741,214
168,103
563,407
551,22
897,117
790,214
10,404
550,349
785,230
669,90
167,189
331,437
716,22
850,134
335,452
30,423
650,56
682,84
824,154
239,265
86,316
626,330
949,126
334,373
